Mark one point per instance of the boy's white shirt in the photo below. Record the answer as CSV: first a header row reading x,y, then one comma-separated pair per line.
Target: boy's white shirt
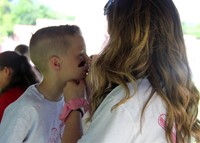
x,y
32,119
122,125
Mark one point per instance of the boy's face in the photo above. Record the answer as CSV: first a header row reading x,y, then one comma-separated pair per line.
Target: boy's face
x,y
74,63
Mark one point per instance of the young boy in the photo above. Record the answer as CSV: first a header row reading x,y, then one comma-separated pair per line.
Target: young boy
x,y
59,53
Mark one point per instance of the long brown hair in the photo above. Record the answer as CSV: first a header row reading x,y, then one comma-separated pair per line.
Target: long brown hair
x,y
146,40
23,75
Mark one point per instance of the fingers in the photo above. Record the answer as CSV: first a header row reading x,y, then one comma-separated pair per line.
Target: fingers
x,y
74,89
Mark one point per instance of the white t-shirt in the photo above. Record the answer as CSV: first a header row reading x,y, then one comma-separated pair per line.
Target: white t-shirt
x,y
122,125
32,119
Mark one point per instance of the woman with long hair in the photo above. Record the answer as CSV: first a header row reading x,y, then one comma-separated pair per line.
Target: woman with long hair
x,y
142,88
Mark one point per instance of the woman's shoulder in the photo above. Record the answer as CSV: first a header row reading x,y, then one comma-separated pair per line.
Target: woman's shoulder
x,y
140,87
140,94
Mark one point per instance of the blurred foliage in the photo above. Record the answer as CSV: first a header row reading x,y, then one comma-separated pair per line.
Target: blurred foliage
x,y
191,29
27,11
23,12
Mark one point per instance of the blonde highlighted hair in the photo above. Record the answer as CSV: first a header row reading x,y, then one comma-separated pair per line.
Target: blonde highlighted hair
x,y
146,40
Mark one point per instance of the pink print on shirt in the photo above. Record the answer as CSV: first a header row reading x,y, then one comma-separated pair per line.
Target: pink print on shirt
x,y
56,134
161,122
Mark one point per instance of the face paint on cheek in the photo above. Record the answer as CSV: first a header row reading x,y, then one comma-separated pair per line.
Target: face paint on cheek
x,y
81,64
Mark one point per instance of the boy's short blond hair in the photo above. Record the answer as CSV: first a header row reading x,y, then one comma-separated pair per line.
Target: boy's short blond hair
x,y
50,41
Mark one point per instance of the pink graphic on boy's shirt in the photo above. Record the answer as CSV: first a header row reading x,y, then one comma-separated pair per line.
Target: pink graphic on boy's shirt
x,y
61,127
161,122
56,134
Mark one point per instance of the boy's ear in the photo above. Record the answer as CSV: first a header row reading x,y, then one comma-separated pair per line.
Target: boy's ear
x,y
55,63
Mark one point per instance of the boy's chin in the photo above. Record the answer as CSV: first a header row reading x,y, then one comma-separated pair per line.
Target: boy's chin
x,y
83,76
80,77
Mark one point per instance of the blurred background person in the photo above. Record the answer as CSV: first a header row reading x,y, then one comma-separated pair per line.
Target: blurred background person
x,y
16,75
23,49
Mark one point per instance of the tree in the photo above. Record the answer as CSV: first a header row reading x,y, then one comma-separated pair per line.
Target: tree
x,y
191,29
5,18
23,12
